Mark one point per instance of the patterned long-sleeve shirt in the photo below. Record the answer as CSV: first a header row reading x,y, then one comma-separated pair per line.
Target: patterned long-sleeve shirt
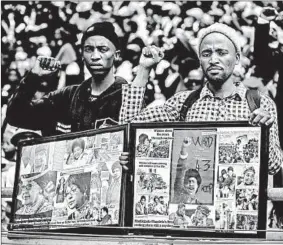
x,y
207,108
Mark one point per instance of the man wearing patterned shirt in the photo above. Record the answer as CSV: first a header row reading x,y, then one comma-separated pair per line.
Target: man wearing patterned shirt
x,y
221,99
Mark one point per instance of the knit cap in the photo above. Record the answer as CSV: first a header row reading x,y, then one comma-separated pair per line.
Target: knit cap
x,y
226,30
105,29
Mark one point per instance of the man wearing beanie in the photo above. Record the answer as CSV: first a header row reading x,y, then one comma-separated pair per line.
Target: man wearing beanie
x,y
78,107
220,99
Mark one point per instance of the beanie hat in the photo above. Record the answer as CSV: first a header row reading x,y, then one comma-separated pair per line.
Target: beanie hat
x,y
192,173
226,30
105,29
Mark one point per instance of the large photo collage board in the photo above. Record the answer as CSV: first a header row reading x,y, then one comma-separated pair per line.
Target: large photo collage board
x,y
70,182
197,178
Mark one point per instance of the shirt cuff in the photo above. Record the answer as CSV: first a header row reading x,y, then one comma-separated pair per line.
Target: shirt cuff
x,y
185,156
261,20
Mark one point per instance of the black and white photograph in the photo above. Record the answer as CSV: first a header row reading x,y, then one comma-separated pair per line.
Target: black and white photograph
x,y
225,215
193,161
35,196
239,147
226,182
71,71
246,222
152,180
184,216
248,178
152,148
35,159
247,199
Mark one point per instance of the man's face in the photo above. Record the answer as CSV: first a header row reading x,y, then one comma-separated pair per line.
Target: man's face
x,y
161,200
40,161
249,178
230,172
13,77
146,141
75,198
142,201
116,173
99,54
199,215
30,191
218,58
103,213
192,186
77,152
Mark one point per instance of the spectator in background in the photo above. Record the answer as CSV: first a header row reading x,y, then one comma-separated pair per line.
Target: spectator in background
x,y
195,79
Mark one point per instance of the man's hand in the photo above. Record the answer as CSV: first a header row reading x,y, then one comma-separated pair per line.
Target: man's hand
x,y
45,66
151,56
184,148
261,117
268,13
124,160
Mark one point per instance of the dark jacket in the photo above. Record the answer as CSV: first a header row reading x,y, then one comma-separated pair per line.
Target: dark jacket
x,y
66,110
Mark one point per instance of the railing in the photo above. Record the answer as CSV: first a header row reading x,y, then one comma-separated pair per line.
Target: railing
x,y
275,195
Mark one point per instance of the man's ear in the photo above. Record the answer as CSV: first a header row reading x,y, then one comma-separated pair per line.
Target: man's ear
x,y
117,55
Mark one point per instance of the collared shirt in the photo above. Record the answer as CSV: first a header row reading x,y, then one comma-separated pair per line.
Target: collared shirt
x,y
207,108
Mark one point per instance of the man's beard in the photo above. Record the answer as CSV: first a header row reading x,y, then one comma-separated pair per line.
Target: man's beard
x,y
217,81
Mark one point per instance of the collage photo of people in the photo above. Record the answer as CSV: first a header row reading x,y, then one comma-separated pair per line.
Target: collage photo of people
x,y
238,179
197,186
152,177
68,182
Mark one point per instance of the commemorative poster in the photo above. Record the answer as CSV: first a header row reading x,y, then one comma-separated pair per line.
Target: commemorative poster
x,y
70,183
197,178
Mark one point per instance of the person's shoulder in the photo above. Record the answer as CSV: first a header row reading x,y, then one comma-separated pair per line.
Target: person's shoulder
x,y
183,94
265,100
120,80
179,97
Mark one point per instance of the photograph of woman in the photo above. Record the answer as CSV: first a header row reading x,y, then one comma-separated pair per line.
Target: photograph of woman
x,y
77,196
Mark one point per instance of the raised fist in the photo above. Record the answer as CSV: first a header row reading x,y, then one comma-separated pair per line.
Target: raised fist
x,y
151,56
45,65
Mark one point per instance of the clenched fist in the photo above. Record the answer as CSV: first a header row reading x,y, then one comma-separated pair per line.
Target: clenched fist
x,y
45,65
151,56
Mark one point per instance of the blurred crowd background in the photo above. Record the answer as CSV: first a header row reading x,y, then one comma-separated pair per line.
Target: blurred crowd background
x,y
33,28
